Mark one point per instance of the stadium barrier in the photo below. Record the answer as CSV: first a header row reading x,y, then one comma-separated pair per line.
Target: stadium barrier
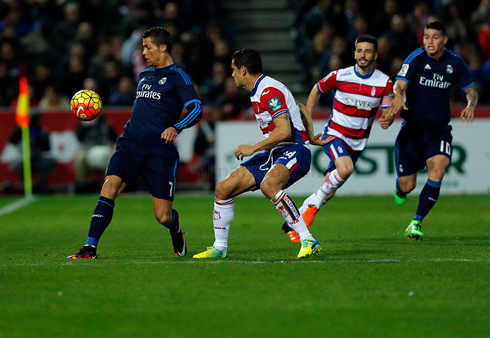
x,y
375,171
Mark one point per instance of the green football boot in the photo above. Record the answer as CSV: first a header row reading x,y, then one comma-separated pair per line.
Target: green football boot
x,y
414,230
400,197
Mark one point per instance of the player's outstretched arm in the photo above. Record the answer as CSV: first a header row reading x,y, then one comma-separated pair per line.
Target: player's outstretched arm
x,y
281,131
469,112
398,103
312,100
308,122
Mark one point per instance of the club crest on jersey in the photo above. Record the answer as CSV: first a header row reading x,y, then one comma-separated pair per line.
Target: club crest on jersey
x,y
162,81
274,103
449,69
339,148
373,91
403,71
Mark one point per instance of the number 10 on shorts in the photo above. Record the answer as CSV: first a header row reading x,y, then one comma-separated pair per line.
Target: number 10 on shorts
x,y
445,148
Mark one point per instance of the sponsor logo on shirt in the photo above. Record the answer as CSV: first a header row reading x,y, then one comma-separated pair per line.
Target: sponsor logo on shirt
x,y
436,82
146,92
274,103
358,103
403,71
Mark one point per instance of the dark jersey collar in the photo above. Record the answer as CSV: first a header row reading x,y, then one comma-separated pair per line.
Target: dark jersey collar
x,y
445,52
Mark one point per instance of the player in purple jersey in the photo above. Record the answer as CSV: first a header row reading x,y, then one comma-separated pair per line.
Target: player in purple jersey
x,y
146,146
425,139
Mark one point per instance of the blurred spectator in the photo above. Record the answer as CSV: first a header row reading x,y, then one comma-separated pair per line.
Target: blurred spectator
x,y
418,19
215,85
91,83
481,15
204,145
401,39
42,79
126,93
8,85
97,140
53,99
385,57
382,20
66,30
456,29
108,80
233,100
42,164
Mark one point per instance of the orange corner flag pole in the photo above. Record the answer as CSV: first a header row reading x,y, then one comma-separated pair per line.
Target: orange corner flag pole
x,y
22,119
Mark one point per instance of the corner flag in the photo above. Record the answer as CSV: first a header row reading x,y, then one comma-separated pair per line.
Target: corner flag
x,y
22,119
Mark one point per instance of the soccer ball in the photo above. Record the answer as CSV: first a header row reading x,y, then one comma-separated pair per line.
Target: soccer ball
x,y
86,105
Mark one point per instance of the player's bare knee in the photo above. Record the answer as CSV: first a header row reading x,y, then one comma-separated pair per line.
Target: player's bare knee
x,y
164,218
110,189
407,187
223,190
345,172
269,189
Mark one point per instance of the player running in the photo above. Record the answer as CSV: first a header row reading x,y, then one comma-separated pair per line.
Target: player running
x,y
146,146
283,160
425,139
360,90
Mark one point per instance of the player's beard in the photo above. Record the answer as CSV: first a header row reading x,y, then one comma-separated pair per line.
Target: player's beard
x,y
369,64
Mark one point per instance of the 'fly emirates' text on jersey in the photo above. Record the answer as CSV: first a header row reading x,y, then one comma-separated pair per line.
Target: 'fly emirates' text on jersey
x,y
270,98
429,86
160,97
356,102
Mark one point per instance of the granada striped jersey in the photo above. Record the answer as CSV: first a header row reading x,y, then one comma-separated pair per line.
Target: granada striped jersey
x,y
270,99
356,102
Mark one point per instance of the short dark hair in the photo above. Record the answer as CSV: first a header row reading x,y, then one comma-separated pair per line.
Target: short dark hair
x,y
159,36
438,26
249,59
367,38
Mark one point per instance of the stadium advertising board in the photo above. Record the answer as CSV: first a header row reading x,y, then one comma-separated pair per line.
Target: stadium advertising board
x,y
375,171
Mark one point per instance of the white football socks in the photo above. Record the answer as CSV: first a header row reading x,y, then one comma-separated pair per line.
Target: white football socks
x,y
223,214
291,214
332,182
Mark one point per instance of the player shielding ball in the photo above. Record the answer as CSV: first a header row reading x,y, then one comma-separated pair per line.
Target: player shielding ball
x,y
360,90
425,140
146,146
283,159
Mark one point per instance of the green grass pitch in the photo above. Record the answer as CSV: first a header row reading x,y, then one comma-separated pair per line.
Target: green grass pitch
x,y
369,280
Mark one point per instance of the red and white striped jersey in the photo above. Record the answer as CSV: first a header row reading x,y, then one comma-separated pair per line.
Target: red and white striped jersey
x,y
356,102
270,98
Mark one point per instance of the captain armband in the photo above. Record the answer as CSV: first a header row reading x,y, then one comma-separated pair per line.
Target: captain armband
x,y
386,101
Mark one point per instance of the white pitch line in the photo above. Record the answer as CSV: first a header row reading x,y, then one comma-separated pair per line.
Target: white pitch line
x,y
16,205
230,261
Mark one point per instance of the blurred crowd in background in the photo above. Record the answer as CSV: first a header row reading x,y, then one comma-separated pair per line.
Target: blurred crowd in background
x,y
63,46
325,31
